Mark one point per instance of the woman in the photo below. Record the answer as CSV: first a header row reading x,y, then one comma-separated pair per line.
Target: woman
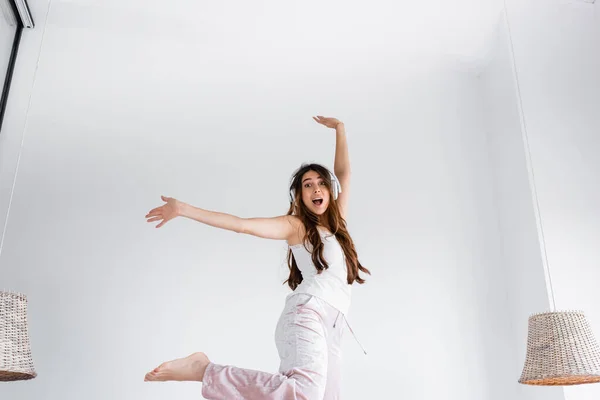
x,y
309,332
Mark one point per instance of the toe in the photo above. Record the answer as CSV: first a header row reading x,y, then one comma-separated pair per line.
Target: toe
x,y
150,376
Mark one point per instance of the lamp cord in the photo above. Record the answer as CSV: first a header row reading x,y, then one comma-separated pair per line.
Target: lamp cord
x,y
536,204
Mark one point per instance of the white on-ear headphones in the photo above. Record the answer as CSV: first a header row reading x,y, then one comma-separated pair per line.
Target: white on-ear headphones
x,y
336,188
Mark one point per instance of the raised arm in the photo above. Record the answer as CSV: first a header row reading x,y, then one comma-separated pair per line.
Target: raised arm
x,y
341,165
282,227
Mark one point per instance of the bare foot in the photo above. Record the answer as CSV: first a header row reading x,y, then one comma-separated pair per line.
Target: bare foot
x,y
190,368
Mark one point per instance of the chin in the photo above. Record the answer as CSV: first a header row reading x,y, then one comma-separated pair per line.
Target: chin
x,y
319,210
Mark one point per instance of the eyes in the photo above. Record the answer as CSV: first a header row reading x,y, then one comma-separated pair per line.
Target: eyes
x,y
321,183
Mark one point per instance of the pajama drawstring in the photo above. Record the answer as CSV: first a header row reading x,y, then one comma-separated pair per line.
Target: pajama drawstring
x,y
353,334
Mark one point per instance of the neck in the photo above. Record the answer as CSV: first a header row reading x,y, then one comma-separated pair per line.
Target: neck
x,y
324,224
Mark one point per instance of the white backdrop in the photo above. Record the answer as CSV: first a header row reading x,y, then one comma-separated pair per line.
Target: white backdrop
x,y
213,106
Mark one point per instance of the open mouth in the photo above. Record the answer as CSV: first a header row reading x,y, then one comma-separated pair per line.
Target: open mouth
x,y
317,202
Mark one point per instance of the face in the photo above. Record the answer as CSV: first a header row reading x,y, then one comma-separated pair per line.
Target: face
x,y
315,194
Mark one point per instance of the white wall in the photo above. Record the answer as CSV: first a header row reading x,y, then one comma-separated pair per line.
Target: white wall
x,y
121,114
522,263
557,53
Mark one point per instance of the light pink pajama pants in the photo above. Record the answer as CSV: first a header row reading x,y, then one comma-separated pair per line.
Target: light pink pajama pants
x,y
308,338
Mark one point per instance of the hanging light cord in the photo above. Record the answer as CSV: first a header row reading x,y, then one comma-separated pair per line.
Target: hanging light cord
x,y
536,204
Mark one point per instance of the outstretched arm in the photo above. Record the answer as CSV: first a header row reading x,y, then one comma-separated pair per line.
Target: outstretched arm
x,y
281,227
341,165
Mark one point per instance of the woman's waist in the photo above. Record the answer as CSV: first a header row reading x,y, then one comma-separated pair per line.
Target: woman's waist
x,y
337,295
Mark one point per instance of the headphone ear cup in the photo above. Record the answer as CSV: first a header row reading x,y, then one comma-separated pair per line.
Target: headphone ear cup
x,y
335,186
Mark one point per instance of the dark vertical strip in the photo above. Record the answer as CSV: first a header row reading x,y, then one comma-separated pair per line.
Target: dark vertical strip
x,y
11,63
9,74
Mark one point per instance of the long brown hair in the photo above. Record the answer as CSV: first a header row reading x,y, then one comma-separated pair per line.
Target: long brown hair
x,y
335,222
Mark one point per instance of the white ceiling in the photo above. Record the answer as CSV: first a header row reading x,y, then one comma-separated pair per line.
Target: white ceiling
x,y
283,29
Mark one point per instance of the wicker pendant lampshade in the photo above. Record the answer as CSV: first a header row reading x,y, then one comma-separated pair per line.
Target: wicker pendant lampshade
x,y
561,350
16,362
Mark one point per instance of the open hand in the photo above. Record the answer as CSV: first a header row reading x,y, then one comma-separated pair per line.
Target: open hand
x,y
166,212
328,122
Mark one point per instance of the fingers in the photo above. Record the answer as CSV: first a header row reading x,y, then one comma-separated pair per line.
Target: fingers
x,y
157,214
162,220
159,209
323,120
154,212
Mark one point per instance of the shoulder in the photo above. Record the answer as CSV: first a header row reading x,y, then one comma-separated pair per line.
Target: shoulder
x,y
296,223
298,231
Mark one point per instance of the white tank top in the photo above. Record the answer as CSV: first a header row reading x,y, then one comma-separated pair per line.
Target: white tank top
x,y
331,285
